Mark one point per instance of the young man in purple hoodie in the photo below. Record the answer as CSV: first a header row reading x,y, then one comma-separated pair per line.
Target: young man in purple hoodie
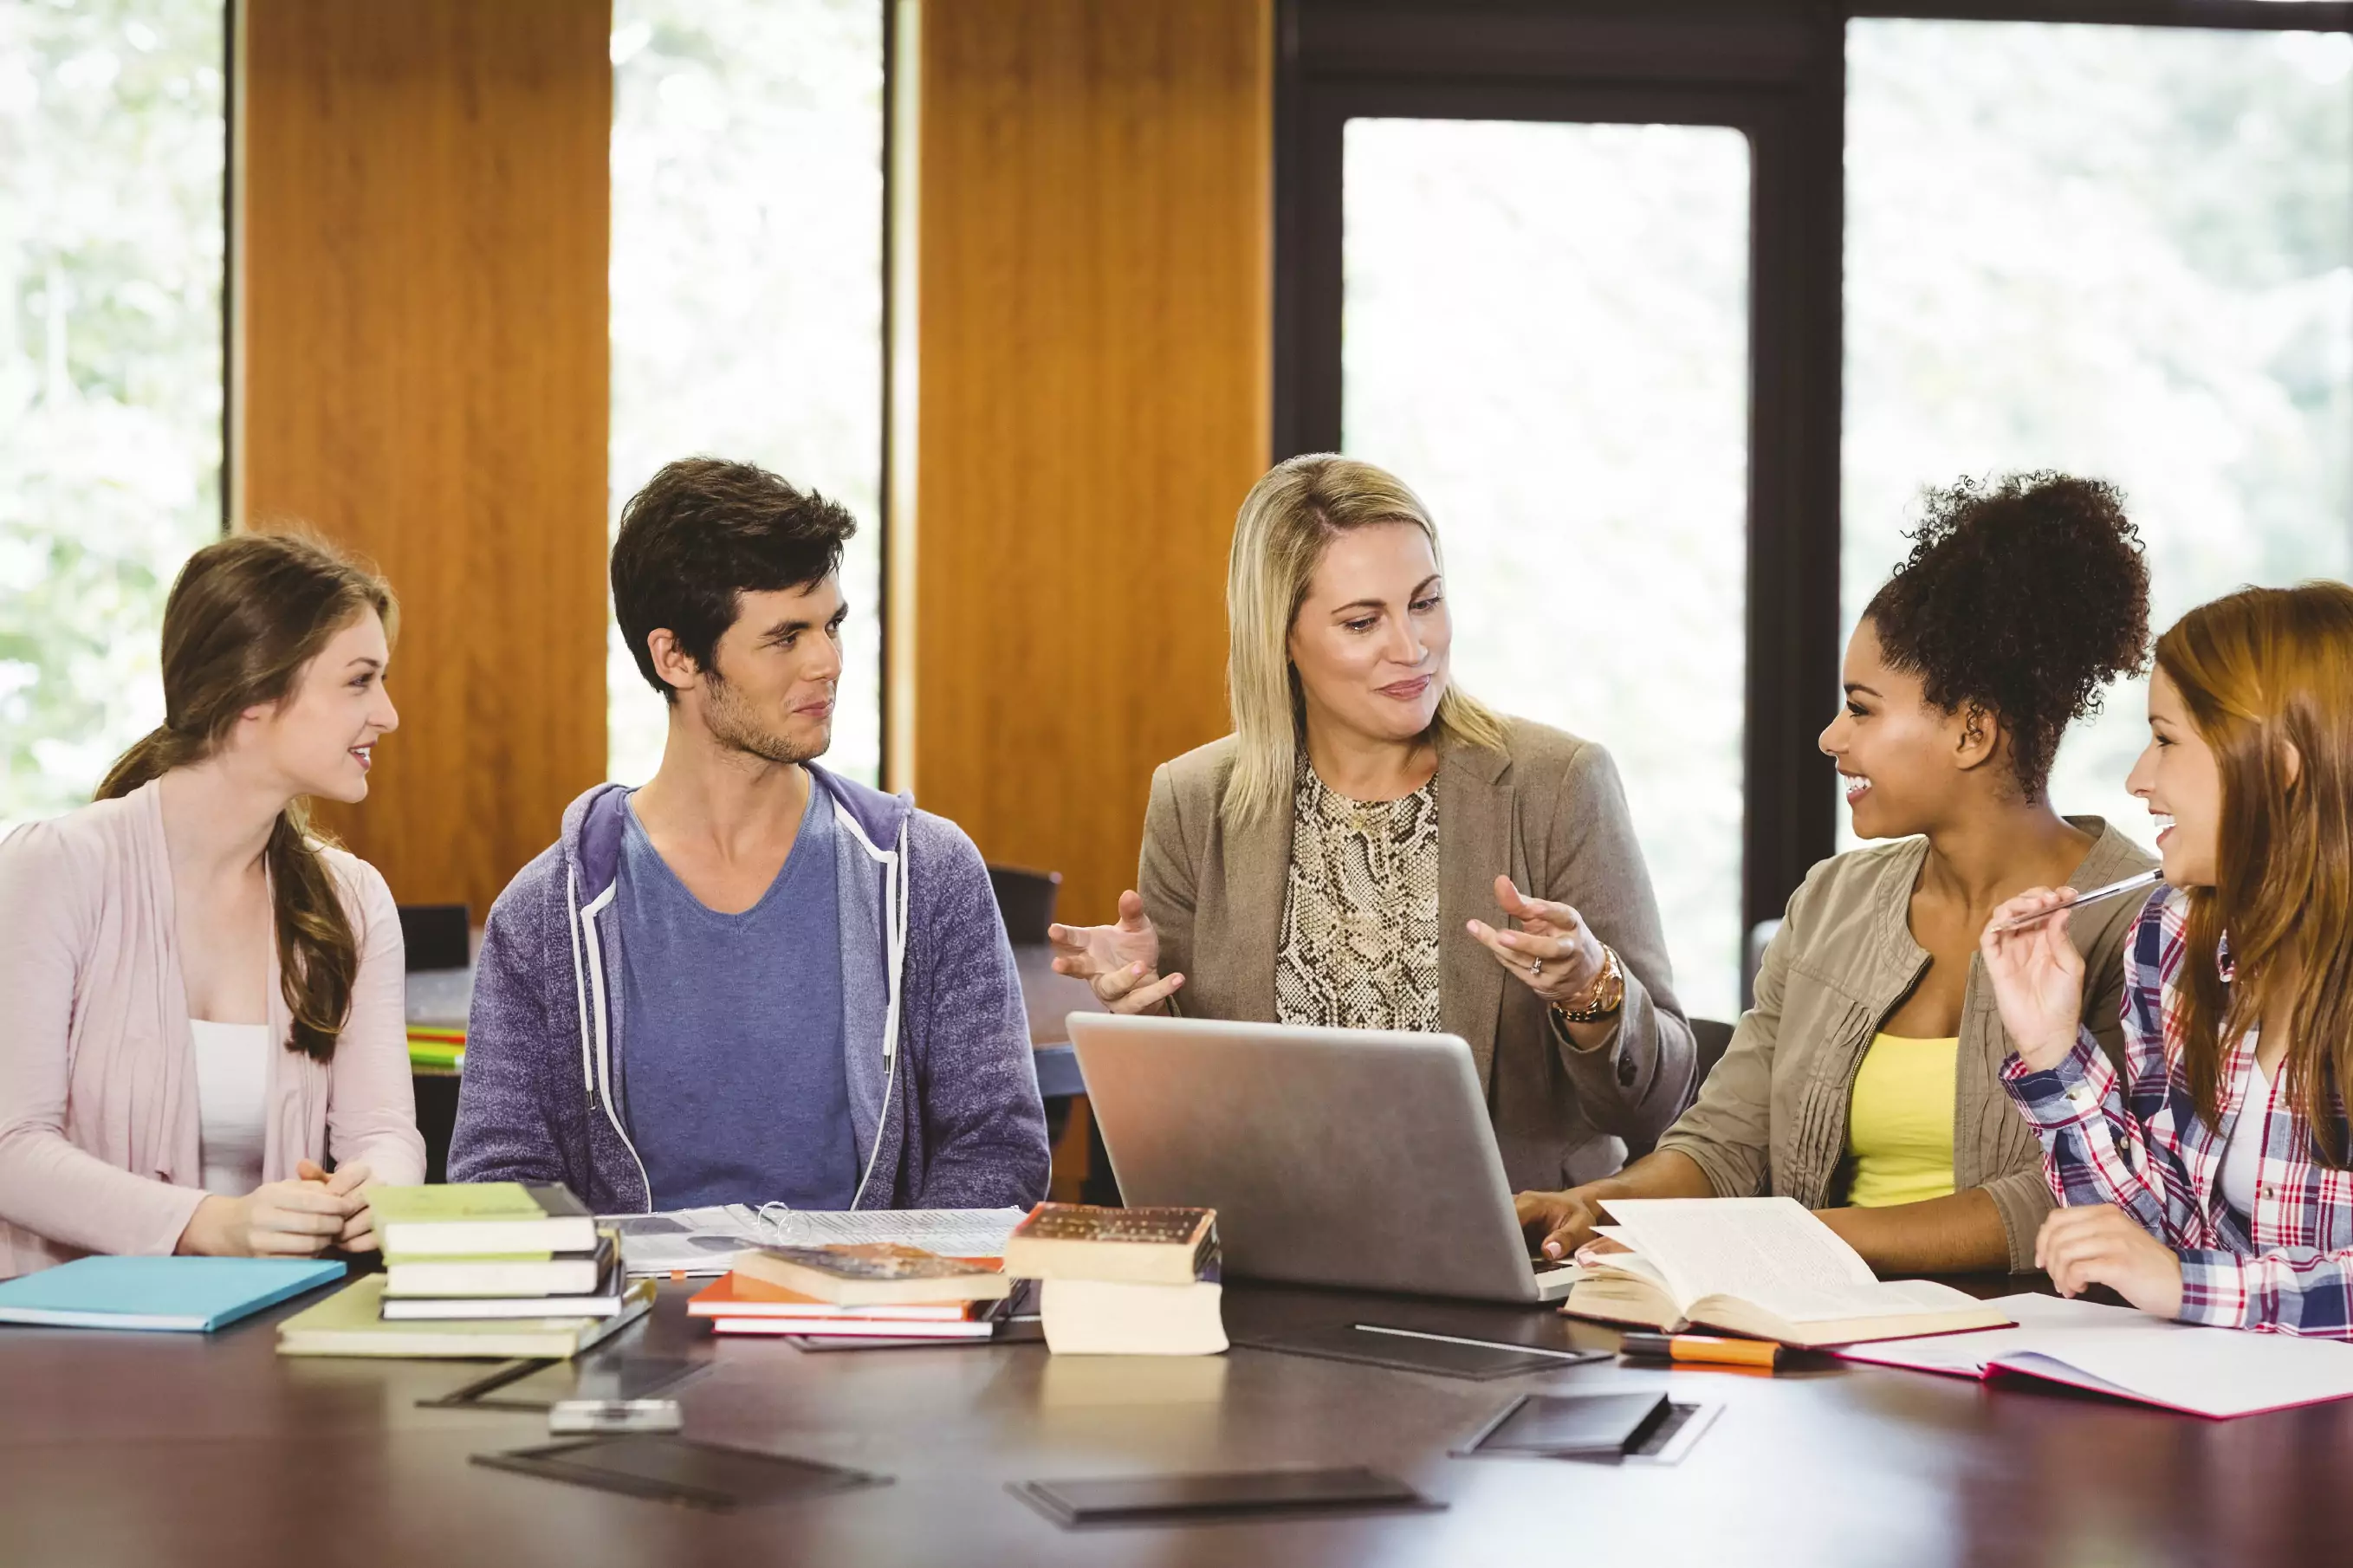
x,y
751,981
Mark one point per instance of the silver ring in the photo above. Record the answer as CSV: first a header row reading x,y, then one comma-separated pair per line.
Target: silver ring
x,y
1535,968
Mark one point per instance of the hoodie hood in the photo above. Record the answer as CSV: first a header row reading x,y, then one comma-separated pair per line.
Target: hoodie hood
x,y
593,824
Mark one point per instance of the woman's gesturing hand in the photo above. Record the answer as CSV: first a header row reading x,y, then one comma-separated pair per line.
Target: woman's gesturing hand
x,y
1121,961
1553,953
2101,1245
2037,975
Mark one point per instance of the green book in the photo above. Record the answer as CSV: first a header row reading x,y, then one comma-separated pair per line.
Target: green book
x,y
476,1219
351,1323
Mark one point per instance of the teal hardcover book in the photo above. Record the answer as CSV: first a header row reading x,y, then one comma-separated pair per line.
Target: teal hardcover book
x,y
188,1295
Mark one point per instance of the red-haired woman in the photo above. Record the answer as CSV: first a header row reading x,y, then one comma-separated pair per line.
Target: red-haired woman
x,y
203,1001
2209,1183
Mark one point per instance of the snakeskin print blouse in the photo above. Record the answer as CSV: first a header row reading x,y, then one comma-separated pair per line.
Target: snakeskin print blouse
x,y
1359,944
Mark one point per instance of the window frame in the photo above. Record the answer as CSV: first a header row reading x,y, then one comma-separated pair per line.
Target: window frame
x,y
1773,68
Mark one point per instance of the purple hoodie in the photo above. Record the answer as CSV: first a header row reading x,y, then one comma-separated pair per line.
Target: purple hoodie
x,y
942,1088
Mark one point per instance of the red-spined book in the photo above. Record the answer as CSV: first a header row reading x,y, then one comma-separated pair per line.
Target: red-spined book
x,y
738,1304
740,1295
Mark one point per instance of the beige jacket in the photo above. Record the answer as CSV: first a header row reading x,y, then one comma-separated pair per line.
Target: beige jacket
x,y
1547,812
1772,1117
99,1136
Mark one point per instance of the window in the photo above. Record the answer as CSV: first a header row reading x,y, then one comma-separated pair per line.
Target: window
x,y
747,288
1545,333
112,240
2125,252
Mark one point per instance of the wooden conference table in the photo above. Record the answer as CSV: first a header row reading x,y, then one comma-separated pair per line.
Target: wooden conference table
x,y
159,1449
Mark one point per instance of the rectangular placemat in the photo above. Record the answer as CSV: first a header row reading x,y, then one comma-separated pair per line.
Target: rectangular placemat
x,y
680,1469
1239,1494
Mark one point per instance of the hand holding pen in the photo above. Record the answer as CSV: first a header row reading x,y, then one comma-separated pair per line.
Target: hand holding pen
x,y
2037,975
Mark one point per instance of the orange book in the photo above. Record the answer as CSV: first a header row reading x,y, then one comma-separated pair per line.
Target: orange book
x,y
739,1296
856,1328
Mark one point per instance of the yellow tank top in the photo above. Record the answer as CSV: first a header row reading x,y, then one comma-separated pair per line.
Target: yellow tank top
x,y
1899,1126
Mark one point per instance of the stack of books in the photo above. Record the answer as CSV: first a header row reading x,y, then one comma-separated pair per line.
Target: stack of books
x,y
873,1291
437,1048
477,1268
439,1000
1140,1282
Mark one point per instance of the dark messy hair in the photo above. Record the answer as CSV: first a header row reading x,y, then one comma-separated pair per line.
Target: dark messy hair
x,y
2025,595
245,619
702,533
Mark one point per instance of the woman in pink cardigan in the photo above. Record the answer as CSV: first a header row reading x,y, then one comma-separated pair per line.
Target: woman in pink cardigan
x,y
199,1002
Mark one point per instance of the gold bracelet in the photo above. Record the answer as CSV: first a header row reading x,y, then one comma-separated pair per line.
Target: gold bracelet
x,y
1603,997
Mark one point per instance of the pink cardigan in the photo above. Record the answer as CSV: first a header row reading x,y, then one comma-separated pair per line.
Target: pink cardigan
x,y
98,1094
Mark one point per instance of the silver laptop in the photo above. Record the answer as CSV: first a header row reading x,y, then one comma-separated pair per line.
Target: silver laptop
x,y
1350,1157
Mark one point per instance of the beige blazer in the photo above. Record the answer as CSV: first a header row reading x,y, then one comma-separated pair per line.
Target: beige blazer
x,y
1772,1118
98,1147
1548,812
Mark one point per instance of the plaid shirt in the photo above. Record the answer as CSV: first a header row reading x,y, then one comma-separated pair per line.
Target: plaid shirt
x,y
2139,1144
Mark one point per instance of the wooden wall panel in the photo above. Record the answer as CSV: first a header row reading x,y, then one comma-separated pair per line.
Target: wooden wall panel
x,y
1091,405
422,327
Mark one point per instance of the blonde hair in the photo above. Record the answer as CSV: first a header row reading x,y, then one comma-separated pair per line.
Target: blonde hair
x,y
1287,521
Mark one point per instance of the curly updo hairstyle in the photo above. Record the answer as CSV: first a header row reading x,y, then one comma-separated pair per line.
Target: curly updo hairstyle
x,y
2026,594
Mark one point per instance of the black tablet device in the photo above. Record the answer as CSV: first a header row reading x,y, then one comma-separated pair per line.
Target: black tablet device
x,y
1241,1494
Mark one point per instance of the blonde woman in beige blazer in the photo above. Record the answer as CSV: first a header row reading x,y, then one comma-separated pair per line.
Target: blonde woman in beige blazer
x,y
1373,849
202,1002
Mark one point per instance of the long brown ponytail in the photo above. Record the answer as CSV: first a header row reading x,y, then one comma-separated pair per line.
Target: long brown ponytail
x,y
246,615
2263,670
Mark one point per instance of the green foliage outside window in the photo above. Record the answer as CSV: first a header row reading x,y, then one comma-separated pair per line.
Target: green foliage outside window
x,y
112,149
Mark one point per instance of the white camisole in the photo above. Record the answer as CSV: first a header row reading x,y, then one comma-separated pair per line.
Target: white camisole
x,y
2242,1155
232,1101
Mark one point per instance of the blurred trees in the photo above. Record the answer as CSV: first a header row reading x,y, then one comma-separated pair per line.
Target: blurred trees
x,y
2119,251
112,148
747,289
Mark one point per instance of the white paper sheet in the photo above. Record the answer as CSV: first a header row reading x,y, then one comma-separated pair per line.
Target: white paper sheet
x,y
2210,1372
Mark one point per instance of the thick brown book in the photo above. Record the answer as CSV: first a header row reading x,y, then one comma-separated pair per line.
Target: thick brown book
x,y
1141,1246
1762,1266
875,1274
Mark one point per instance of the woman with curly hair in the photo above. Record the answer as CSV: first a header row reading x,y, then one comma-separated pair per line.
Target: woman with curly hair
x,y
2208,1176
1865,1082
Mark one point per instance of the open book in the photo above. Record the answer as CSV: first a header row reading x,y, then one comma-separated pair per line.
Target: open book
x,y
1764,1266
2116,1351
703,1241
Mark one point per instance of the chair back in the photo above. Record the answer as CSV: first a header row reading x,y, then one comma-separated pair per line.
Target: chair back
x,y
435,935
1025,900
1711,1038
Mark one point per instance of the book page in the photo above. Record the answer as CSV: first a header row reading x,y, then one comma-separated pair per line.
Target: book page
x,y
2214,1372
1769,1252
708,1240
2043,1320
952,1233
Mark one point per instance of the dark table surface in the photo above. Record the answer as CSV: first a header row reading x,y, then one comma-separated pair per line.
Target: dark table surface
x,y
167,1449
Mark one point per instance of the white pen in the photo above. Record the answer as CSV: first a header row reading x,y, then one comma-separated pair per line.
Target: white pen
x,y
2145,879
1482,1344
